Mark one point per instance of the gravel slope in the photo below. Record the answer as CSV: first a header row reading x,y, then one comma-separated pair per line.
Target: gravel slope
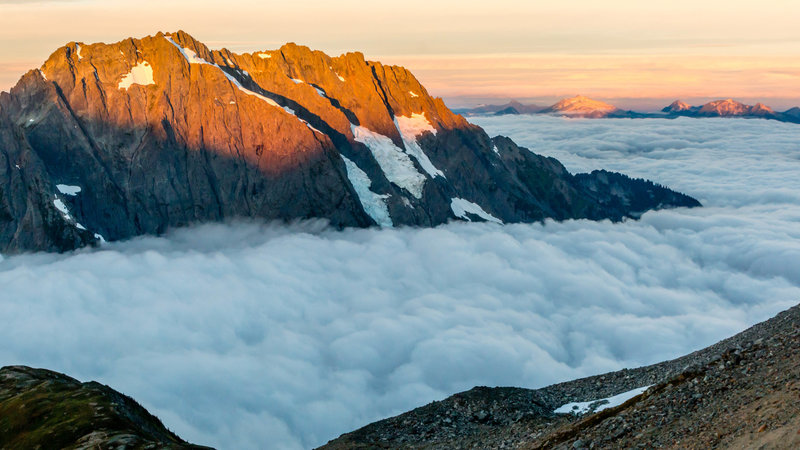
x,y
742,392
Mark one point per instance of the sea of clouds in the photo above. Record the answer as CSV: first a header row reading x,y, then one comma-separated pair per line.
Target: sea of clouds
x,y
263,336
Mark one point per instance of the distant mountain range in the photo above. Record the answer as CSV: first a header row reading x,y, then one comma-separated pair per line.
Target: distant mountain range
x,y
110,141
581,106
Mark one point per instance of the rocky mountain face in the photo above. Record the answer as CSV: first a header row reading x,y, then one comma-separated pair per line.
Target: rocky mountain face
x,y
109,141
44,409
739,393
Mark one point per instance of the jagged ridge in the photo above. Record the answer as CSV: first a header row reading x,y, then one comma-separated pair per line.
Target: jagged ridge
x,y
109,141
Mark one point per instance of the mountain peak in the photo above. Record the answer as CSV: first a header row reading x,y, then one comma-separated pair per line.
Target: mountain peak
x,y
677,106
726,107
581,106
761,109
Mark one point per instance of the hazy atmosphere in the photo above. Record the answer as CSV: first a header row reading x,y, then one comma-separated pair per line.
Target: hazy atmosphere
x,y
240,334
639,54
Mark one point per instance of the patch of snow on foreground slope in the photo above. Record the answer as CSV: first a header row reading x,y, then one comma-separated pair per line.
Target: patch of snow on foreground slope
x,y
601,404
461,207
141,74
410,128
394,162
374,204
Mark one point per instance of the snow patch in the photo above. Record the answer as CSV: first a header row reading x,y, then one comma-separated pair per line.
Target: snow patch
x,y
461,207
297,81
320,91
374,204
413,95
100,238
396,165
44,77
264,55
141,74
68,190
310,127
494,149
190,55
339,77
78,51
599,405
17,166
59,204
410,128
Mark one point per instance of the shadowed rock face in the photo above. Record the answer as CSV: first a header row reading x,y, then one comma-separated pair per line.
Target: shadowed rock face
x,y
109,141
44,409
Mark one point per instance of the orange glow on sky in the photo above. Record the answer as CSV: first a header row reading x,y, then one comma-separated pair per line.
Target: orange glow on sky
x,y
614,49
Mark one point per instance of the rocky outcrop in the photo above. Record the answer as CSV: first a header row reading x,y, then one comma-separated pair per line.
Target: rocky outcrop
x,y
739,393
109,141
44,409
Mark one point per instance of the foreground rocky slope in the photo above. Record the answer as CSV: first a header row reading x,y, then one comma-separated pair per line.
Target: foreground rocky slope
x,y
108,141
739,393
44,409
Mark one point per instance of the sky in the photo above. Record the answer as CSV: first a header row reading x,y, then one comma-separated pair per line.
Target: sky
x,y
237,335
636,53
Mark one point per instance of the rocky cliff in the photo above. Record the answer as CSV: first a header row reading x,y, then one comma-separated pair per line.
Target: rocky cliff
x,y
109,141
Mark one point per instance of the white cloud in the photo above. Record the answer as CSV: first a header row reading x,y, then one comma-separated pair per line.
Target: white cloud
x,y
240,335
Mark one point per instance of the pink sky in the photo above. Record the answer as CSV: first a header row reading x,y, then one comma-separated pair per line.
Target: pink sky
x,y
631,51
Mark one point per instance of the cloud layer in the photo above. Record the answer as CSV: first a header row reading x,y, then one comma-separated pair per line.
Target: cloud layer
x,y
247,335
